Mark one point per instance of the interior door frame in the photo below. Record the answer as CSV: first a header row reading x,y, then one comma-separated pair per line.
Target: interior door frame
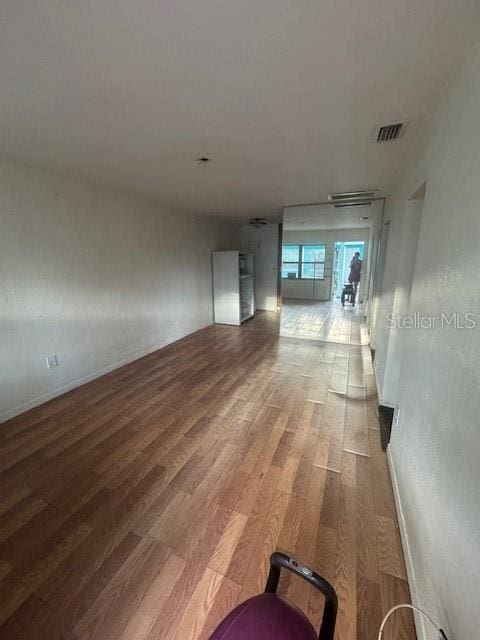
x,y
279,268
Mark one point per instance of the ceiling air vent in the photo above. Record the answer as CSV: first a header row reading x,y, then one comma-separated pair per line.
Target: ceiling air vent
x,y
390,131
352,195
352,198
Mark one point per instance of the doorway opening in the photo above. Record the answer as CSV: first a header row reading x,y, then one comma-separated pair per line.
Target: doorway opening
x,y
344,252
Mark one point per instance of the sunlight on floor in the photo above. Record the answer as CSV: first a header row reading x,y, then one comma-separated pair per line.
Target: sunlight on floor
x,y
326,321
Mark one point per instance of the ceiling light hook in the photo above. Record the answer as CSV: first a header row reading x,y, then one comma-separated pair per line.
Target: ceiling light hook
x,y
203,161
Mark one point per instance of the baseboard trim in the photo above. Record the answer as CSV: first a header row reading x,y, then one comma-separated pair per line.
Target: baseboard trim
x,y
407,553
35,402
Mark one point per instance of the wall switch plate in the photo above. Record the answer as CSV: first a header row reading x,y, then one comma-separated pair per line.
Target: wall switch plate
x,y
52,361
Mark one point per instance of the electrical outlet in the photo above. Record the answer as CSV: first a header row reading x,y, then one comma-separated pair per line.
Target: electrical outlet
x,y
52,361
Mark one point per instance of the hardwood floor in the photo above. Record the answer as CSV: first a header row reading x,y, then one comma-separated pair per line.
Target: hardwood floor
x,y
144,505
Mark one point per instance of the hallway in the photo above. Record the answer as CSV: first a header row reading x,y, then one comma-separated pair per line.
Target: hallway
x,y
145,504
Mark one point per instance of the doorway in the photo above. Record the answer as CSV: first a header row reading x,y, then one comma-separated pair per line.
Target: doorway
x,y
344,252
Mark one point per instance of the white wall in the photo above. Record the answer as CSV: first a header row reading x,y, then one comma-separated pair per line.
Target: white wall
x,y
96,277
307,289
401,301
435,448
321,290
263,243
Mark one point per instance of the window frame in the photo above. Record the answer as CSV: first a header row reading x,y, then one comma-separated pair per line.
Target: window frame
x,y
302,262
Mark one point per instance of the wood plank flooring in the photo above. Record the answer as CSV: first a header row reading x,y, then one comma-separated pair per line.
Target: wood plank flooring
x,y
144,505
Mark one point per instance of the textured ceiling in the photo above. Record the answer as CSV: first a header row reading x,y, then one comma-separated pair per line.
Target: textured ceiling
x,y
283,96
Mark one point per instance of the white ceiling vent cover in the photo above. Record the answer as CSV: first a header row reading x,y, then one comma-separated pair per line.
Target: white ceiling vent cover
x,y
348,196
352,198
390,131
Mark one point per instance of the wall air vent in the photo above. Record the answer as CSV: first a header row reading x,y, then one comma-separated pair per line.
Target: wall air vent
x,y
352,198
389,131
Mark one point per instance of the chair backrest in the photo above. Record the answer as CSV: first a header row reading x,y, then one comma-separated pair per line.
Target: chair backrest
x,y
280,561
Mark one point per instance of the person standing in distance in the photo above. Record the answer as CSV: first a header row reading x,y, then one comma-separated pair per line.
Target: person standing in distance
x,y
355,271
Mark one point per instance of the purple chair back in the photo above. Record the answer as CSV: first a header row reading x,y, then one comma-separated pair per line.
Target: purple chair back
x,y
271,617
